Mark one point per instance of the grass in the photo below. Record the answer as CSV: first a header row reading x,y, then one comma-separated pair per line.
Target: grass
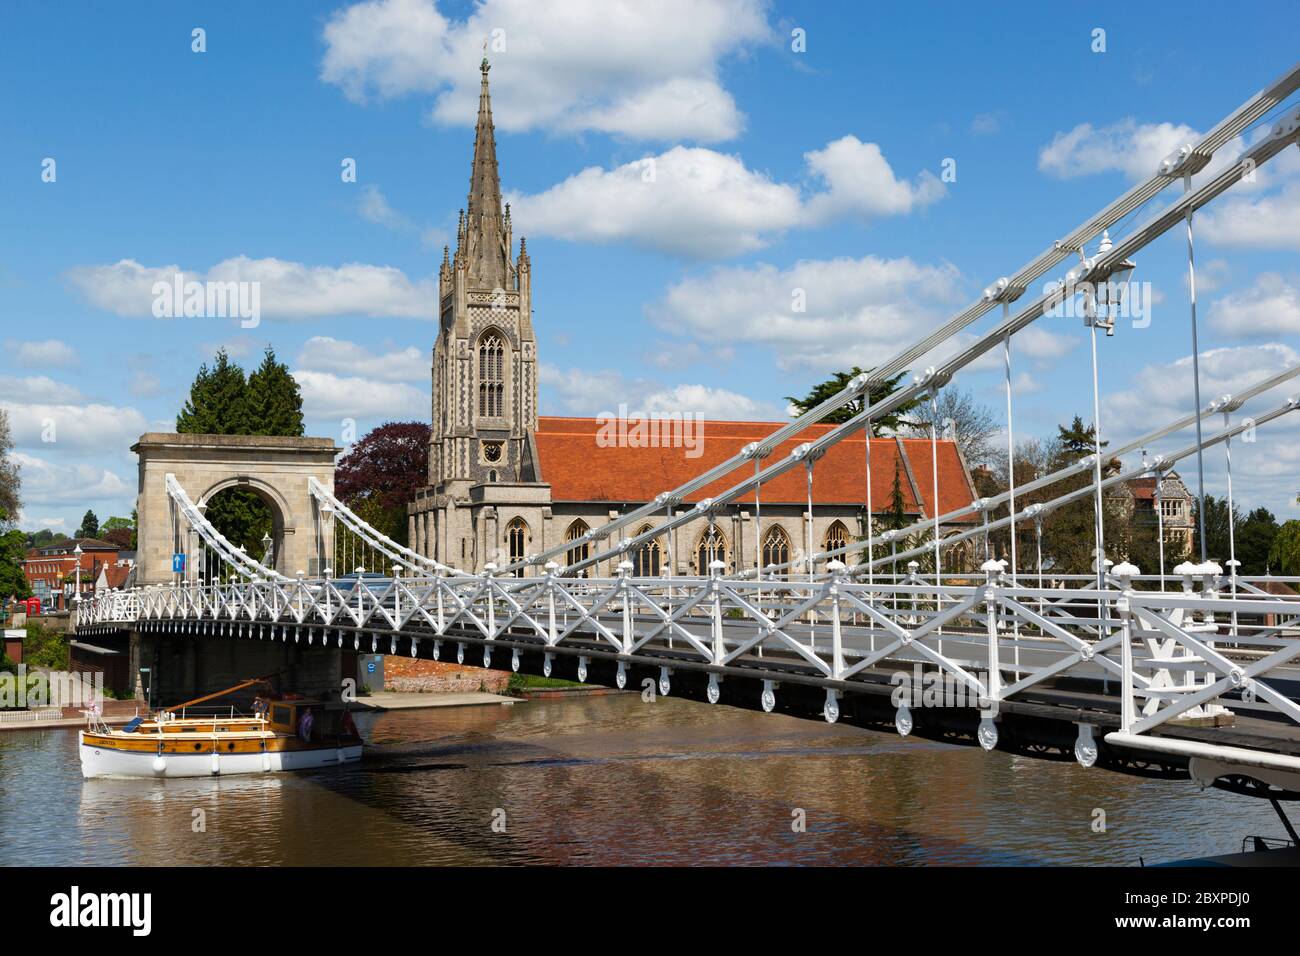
x,y
523,682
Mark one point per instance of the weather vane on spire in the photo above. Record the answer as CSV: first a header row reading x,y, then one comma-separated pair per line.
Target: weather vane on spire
x,y
485,66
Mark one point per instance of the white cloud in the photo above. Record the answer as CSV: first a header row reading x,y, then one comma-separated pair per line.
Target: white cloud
x,y
289,290
699,202
1260,222
861,183
857,310
986,124
582,392
687,201
326,395
373,207
322,353
1263,469
1132,148
58,426
36,388
46,482
1270,307
51,353
615,66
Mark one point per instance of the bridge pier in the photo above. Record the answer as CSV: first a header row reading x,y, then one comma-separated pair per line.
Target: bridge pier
x,y
184,666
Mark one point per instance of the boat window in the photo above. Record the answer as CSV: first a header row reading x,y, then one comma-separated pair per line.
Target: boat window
x,y
280,715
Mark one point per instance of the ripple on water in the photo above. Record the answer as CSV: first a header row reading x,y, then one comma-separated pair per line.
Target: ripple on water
x,y
613,780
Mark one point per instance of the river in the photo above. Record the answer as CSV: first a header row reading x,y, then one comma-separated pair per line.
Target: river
x,y
615,780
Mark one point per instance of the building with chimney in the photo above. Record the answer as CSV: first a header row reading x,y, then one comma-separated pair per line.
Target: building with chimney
x,y
505,482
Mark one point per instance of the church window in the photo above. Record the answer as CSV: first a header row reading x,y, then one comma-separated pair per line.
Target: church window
x,y
712,548
516,539
491,376
577,552
776,546
645,563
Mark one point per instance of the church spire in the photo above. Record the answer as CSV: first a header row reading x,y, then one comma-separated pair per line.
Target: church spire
x,y
488,257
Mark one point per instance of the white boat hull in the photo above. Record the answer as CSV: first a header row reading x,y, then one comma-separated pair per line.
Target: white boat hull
x,y
106,762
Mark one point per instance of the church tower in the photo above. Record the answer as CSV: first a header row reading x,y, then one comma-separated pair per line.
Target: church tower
x,y
485,356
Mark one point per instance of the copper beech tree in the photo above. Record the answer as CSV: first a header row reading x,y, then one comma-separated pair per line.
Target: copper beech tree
x,y
381,472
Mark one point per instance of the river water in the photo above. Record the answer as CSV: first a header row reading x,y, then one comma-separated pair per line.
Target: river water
x,y
615,780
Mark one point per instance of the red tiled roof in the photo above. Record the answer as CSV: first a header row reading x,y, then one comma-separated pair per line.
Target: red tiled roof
x,y
578,469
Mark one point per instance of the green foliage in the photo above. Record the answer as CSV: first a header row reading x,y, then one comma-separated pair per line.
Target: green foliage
x,y
223,402
38,539
10,478
13,548
89,526
1284,555
896,517
218,402
837,383
44,647
274,401
1076,441
1255,538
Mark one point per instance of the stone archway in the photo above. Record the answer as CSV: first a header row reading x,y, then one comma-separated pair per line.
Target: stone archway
x,y
275,468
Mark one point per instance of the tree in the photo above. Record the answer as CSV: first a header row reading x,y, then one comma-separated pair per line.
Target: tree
x,y
1284,555
1216,528
89,526
120,532
897,515
218,402
879,391
1255,538
13,548
10,476
381,474
223,402
973,425
1076,441
274,400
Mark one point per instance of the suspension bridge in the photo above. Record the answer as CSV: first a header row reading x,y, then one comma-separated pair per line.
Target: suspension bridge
x,y
1188,670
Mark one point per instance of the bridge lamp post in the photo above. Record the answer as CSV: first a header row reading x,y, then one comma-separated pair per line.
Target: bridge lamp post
x,y
1102,292
76,588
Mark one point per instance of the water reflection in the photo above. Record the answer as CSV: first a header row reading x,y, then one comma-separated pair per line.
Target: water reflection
x,y
613,780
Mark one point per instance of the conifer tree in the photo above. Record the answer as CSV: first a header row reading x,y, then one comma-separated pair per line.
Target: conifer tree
x,y
274,399
218,402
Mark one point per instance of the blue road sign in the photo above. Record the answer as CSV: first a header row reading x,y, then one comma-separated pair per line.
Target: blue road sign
x,y
178,563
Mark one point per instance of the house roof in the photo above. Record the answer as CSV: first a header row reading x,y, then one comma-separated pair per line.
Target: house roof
x,y
581,464
66,546
115,575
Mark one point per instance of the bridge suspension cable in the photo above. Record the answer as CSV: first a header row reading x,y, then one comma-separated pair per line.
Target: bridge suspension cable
x,y
1090,270
1189,158
399,555
231,556
987,505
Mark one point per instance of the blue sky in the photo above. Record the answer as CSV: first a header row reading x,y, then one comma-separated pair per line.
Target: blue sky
x,y
774,170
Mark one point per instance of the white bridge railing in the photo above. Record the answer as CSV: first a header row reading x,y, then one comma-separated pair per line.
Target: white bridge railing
x,y
1194,655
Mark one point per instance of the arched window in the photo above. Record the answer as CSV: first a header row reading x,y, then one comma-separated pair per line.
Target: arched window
x,y
577,552
517,540
776,546
491,376
712,548
837,536
645,563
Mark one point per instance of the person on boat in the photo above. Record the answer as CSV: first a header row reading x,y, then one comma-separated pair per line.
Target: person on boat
x,y
305,722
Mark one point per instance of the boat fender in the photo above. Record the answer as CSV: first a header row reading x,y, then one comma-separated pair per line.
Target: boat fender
x,y
159,764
